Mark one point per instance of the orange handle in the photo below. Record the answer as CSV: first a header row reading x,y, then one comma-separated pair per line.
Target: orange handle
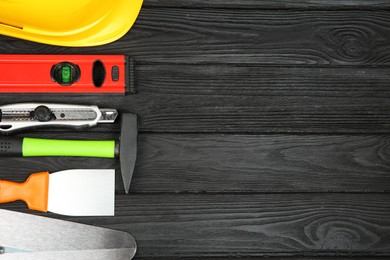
x,y
34,191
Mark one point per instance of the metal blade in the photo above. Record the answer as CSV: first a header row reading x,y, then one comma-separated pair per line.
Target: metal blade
x,y
128,148
7,250
47,238
97,254
108,115
82,192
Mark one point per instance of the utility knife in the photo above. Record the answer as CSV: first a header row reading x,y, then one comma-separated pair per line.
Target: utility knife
x,y
23,116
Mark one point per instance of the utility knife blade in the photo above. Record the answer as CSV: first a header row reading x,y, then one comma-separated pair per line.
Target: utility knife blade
x,y
22,116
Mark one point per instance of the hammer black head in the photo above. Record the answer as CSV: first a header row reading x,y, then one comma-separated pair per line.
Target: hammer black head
x,y
128,148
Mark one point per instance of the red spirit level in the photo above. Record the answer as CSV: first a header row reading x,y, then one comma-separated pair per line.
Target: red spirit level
x,y
91,74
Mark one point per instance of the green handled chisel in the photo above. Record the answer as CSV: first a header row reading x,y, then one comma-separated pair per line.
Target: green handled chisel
x,y
125,148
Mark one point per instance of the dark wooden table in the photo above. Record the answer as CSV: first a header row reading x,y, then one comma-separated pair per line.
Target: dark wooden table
x,y
264,129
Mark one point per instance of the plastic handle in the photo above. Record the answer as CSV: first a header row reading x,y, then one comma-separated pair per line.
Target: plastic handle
x,y
54,147
11,146
34,191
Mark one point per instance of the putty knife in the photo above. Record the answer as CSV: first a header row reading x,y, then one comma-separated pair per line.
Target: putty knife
x,y
25,236
77,192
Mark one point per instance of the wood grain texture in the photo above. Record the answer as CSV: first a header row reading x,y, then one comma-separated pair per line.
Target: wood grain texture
x,y
267,258
290,37
233,163
263,130
214,225
173,163
249,99
263,99
271,4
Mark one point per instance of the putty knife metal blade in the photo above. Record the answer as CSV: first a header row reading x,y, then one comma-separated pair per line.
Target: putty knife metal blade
x,y
35,237
82,192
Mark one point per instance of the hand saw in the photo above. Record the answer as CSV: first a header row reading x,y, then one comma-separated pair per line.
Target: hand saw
x,y
23,116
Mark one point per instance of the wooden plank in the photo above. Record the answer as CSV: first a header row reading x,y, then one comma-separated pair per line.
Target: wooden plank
x,y
214,225
237,163
262,99
289,37
265,258
271,4
249,99
209,163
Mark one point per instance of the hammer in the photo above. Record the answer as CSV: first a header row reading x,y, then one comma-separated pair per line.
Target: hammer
x,y
125,148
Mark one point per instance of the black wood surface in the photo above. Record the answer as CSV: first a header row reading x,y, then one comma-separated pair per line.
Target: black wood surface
x,y
264,130
272,4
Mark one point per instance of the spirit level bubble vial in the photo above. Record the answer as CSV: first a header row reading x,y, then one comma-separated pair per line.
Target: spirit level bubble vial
x,y
92,74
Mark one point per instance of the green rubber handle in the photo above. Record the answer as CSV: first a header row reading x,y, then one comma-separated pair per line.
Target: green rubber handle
x,y
55,147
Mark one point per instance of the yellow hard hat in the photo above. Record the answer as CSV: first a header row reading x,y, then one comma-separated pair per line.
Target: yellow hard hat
x,y
68,22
